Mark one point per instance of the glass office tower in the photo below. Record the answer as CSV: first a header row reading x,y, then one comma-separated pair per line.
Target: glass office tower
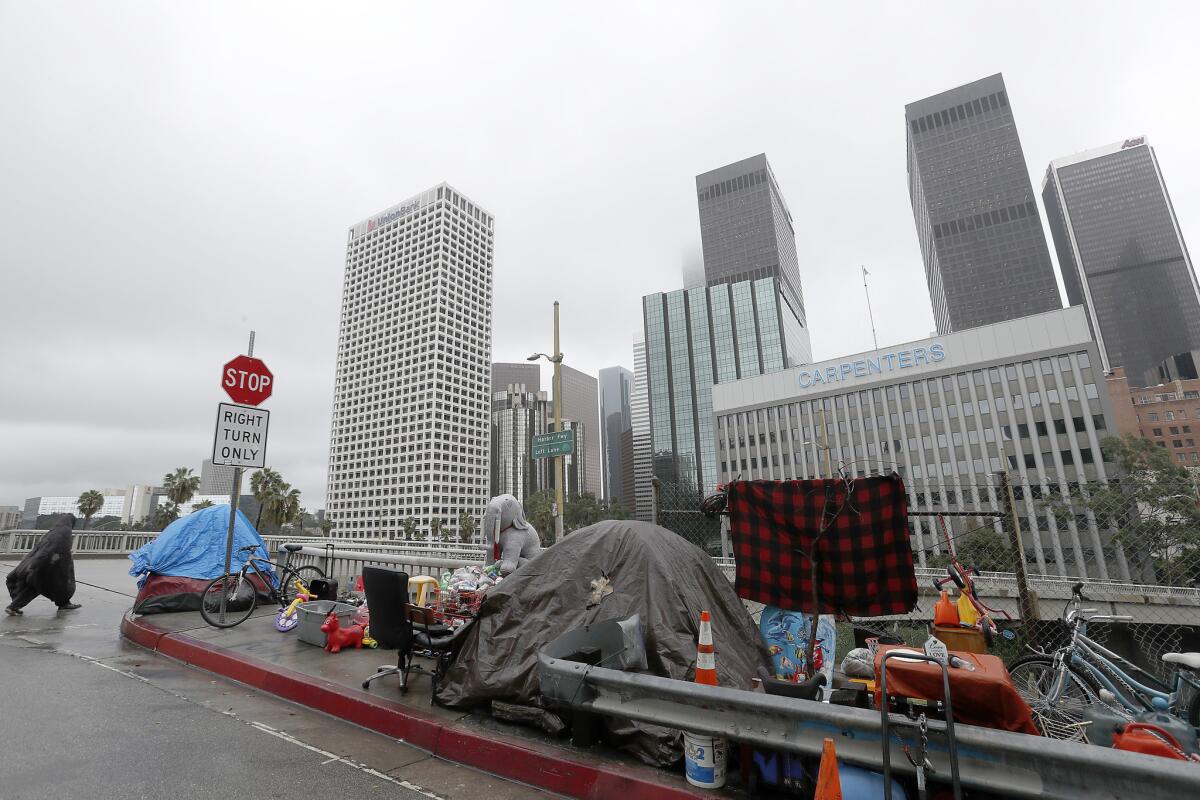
x,y
694,339
747,233
1123,256
616,426
978,224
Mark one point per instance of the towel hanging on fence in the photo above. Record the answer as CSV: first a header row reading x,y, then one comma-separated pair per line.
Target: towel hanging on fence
x,y
865,559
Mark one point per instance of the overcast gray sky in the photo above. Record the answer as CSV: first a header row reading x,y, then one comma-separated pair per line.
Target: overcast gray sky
x,y
173,175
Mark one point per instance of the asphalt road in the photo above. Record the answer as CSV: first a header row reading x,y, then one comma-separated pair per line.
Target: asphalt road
x,y
84,714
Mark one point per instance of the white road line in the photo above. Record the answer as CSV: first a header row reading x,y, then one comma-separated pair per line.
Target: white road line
x,y
332,757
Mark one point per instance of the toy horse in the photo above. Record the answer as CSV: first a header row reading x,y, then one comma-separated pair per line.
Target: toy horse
x,y
337,637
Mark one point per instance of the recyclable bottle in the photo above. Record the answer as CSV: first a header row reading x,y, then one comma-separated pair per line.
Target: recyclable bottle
x,y
944,612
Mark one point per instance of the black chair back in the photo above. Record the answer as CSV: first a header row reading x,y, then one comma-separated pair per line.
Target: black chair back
x,y
387,600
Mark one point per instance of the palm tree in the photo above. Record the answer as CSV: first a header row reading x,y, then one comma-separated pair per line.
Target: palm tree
x,y
180,485
466,526
409,527
165,515
264,485
284,506
326,526
435,528
203,504
89,503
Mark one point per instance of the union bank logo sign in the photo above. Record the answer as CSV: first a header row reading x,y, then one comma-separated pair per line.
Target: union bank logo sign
x,y
392,216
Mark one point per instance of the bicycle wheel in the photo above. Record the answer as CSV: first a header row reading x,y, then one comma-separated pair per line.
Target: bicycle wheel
x,y
308,572
1034,677
239,596
287,589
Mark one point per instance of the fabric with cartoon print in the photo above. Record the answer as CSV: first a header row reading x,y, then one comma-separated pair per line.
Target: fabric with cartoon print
x,y
785,633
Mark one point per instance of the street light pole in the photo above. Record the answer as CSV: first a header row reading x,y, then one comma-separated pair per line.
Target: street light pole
x,y
559,479
558,460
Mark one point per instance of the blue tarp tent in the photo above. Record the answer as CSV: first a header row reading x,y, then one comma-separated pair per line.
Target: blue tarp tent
x,y
174,568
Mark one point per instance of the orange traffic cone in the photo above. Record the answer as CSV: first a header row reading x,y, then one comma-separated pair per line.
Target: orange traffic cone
x,y
829,785
706,660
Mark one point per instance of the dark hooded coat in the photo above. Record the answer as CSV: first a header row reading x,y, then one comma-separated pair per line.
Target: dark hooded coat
x,y
48,568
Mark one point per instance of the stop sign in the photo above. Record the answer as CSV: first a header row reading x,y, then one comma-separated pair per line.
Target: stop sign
x,y
247,381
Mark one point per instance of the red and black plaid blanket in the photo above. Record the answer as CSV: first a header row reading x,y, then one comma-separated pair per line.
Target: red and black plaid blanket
x,y
865,560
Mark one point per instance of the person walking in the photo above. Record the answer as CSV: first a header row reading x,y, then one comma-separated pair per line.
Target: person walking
x,y
47,569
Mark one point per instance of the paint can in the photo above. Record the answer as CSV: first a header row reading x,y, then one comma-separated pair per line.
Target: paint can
x,y
704,760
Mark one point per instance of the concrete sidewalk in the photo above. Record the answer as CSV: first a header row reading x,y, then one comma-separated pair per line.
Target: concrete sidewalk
x,y
256,654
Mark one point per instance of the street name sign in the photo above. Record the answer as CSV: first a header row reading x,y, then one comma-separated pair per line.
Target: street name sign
x,y
247,380
241,436
555,443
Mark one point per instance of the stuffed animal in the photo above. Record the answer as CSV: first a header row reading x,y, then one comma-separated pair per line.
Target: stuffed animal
x,y
337,637
511,540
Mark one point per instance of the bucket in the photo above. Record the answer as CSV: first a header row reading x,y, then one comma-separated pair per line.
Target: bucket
x,y
704,760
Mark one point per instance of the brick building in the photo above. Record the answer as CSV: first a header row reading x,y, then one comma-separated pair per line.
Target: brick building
x,y
1168,413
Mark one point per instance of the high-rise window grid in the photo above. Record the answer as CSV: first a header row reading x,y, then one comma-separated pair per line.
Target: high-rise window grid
x,y
1040,418
411,405
977,223
1122,255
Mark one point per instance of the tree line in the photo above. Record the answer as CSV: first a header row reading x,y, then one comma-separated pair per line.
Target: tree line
x,y
278,503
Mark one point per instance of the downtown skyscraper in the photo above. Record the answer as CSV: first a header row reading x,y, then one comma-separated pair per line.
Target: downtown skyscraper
x,y
616,434
980,232
411,402
747,319
1123,257
746,232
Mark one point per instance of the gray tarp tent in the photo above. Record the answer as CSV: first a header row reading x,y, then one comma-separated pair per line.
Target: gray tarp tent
x,y
653,573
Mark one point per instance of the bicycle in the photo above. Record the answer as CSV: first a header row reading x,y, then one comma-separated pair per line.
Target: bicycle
x,y
1058,686
224,603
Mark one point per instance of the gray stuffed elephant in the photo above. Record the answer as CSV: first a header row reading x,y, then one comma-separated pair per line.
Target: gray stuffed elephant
x,y
510,538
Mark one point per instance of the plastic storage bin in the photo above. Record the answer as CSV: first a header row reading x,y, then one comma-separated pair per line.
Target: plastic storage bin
x,y
312,617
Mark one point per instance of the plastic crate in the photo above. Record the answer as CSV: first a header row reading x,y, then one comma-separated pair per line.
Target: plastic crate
x,y
312,617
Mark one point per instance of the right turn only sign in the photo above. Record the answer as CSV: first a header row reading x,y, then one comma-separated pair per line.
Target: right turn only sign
x,y
241,437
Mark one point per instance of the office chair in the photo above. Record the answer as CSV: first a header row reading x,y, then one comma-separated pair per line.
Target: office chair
x,y
392,625
387,601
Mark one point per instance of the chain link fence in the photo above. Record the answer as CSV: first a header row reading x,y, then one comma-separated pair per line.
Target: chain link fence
x,y
1133,542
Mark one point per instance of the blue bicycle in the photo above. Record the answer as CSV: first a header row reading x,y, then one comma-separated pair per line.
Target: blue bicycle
x,y
1059,685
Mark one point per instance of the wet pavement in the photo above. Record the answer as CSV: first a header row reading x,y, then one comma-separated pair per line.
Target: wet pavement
x,y
84,713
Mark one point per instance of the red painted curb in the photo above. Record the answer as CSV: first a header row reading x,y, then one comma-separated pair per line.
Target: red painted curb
x,y
529,762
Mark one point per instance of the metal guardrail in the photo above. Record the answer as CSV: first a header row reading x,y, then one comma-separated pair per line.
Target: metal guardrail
x,y
1009,764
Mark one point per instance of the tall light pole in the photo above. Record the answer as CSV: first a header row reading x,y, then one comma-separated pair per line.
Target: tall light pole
x,y
556,360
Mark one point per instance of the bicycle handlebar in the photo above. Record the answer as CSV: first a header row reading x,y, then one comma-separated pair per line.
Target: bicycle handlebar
x,y
248,548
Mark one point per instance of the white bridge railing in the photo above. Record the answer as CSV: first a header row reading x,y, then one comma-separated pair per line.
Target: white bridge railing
x,y
101,543
344,559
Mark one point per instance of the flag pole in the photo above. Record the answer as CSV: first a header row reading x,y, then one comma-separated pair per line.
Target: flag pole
x,y
870,313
